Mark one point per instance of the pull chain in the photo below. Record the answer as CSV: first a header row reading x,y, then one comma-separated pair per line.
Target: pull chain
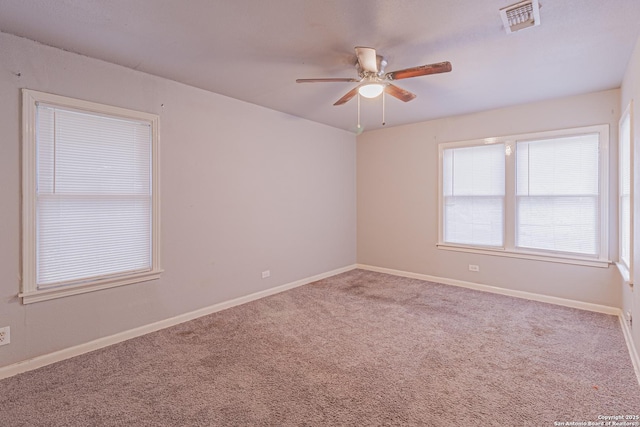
x,y
383,121
358,112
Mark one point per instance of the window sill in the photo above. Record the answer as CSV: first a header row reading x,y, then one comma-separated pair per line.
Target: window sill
x,y
65,291
590,262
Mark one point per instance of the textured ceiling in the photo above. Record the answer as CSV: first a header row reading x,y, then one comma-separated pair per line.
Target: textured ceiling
x,y
254,50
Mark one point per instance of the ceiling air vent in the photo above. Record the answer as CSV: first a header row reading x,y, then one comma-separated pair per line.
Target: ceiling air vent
x,y
521,15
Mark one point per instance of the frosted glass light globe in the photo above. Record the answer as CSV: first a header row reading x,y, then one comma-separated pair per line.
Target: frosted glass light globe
x,y
371,90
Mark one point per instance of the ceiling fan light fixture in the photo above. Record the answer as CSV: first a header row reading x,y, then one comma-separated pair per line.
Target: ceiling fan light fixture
x,y
371,90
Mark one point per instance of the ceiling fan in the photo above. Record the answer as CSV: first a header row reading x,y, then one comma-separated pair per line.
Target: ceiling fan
x,y
373,79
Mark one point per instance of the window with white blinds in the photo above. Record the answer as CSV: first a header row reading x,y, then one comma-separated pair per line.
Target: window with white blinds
x,y
557,194
473,189
540,195
625,192
91,218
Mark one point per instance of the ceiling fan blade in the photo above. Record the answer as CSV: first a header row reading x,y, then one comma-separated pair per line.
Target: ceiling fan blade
x,y
422,70
367,59
327,80
347,97
401,94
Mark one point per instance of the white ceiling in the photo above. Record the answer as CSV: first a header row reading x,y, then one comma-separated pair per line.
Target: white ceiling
x,y
254,50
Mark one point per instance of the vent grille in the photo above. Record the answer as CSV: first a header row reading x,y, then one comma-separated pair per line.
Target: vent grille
x,y
521,15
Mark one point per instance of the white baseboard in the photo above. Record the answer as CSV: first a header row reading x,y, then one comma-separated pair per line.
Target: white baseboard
x,y
635,359
57,356
496,290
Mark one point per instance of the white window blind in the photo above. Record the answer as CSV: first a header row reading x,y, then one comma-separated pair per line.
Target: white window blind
x,y
473,189
93,199
557,194
539,196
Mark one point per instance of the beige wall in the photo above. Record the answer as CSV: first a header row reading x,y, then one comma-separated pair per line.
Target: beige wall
x,y
243,189
631,91
397,199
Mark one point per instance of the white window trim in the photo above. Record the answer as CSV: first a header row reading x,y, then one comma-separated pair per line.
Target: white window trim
x,y
28,289
626,270
509,249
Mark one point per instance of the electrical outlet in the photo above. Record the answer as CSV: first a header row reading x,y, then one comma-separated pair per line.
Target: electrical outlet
x,y
473,267
5,336
266,274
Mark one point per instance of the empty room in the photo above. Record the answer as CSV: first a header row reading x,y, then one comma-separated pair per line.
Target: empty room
x,y
319,213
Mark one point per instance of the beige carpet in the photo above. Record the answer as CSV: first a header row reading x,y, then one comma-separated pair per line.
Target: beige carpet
x,y
359,349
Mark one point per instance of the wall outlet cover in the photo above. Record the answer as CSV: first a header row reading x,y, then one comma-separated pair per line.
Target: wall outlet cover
x,y
5,335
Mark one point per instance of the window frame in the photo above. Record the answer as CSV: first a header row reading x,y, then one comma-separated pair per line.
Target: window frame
x,y
626,269
509,248
29,291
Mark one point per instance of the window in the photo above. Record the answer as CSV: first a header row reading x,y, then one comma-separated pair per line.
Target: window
x,y
540,196
557,194
625,193
473,192
90,197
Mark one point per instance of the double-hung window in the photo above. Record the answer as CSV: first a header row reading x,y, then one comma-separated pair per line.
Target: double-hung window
x,y
90,197
557,194
541,195
473,195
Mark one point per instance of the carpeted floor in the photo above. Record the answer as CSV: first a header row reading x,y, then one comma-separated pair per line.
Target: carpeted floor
x,y
361,349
